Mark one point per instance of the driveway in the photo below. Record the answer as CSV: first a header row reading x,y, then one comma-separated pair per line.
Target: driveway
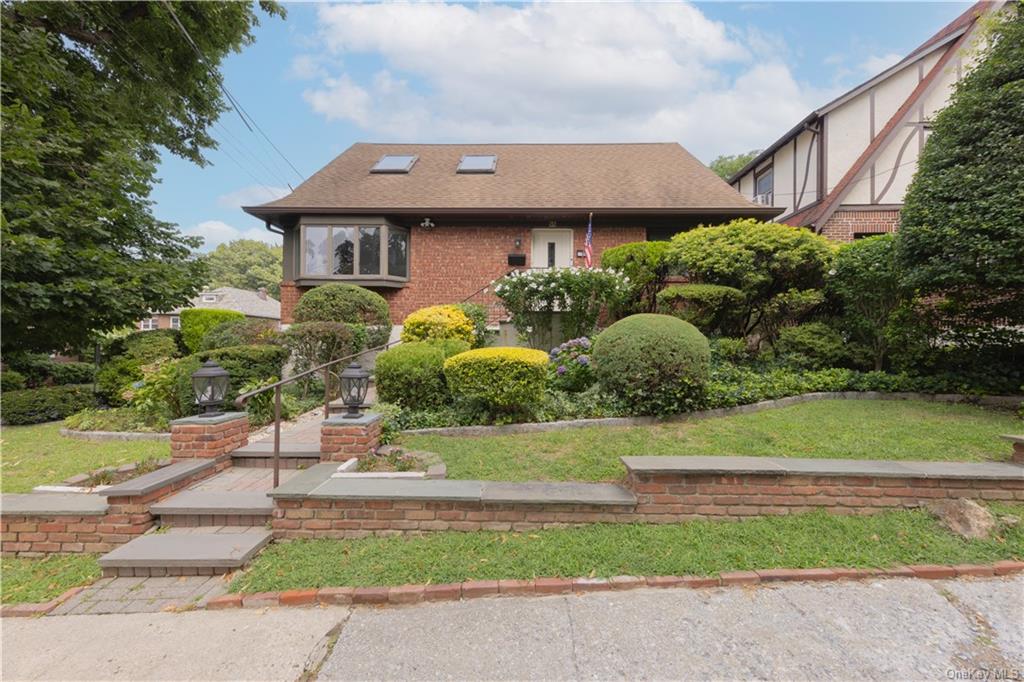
x,y
881,629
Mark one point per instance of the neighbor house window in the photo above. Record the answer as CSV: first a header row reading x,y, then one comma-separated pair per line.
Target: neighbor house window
x,y
355,251
764,185
209,298
149,325
175,322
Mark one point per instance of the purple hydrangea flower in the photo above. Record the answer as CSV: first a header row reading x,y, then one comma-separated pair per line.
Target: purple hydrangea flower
x,y
583,360
560,370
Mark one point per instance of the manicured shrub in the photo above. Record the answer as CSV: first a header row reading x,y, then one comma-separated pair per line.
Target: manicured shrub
x,y
646,265
244,332
656,364
477,314
197,322
438,322
725,349
316,343
248,364
712,308
38,405
813,345
146,346
120,419
412,374
571,368
763,260
11,380
115,376
507,382
347,303
39,369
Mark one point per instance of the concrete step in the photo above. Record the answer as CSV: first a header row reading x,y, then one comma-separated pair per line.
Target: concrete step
x,y
261,454
192,508
209,550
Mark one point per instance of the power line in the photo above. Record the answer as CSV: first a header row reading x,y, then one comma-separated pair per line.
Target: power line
x,y
862,179
227,93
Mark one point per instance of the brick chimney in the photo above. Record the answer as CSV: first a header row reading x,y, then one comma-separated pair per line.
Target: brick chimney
x,y
262,293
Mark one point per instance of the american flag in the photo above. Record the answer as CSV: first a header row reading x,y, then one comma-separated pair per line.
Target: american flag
x,y
588,243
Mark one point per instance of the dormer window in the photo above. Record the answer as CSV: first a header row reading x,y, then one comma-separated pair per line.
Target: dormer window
x,y
477,163
764,186
209,298
394,163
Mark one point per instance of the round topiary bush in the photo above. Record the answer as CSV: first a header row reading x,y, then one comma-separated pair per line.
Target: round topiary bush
x,y
657,364
347,303
506,381
438,322
412,374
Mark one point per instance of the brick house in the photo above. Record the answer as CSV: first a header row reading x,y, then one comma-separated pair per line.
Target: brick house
x,y
425,224
257,305
843,170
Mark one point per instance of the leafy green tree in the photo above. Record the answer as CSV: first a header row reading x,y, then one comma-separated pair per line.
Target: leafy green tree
x,y
246,264
726,165
90,92
961,237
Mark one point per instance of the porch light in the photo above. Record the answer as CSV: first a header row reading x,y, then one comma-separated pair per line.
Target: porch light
x,y
210,385
355,382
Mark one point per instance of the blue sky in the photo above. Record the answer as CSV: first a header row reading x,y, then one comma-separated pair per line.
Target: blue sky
x,y
719,78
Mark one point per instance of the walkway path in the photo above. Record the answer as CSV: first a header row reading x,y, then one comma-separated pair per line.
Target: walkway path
x,y
881,629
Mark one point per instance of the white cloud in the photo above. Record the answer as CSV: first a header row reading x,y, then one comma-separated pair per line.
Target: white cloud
x,y
216,232
876,64
251,195
559,72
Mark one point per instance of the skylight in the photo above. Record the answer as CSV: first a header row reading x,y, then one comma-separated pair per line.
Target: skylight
x,y
477,163
394,163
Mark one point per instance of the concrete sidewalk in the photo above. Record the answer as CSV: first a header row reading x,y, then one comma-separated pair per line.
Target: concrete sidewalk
x,y
880,629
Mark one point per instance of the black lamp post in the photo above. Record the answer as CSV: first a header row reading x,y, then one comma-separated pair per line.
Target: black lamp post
x,y
355,381
210,385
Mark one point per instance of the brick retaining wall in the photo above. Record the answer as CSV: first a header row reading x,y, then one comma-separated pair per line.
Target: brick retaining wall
x,y
209,436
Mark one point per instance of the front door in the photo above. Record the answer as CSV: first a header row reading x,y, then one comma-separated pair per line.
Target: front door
x,y
552,248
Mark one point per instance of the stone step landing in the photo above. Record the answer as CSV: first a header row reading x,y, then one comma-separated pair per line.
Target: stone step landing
x,y
192,508
208,550
261,454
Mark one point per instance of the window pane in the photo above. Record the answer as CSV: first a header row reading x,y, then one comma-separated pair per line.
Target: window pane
x,y
764,183
344,250
394,163
316,250
369,250
477,163
398,253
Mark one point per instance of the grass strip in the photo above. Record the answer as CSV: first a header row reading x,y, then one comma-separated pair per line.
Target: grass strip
x,y
39,580
850,429
815,539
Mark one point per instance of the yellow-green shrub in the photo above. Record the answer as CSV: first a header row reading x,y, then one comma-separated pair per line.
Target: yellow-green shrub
x,y
505,380
438,322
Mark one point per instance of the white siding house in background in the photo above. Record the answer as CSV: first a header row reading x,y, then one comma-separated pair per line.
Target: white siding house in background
x,y
844,169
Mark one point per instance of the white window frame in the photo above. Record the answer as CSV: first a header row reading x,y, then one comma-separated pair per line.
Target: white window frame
x,y
385,229
768,197
149,324
175,322
209,298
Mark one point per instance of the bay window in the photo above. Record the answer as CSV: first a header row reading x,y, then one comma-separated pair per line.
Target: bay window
x,y
358,252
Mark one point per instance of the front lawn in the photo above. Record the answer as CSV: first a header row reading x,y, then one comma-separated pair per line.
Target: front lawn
x,y
855,429
39,580
39,455
811,540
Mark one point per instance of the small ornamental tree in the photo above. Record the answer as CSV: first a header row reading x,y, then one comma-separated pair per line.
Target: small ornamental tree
x,y
777,267
961,235
576,295
646,265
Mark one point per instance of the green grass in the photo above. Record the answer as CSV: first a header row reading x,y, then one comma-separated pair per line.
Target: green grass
x,y
39,580
815,539
39,455
856,429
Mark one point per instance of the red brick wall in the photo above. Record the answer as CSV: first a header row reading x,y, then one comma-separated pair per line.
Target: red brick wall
x,y
843,225
339,443
189,441
661,498
449,263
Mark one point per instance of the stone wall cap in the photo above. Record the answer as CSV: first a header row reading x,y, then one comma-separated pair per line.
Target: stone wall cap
x,y
1013,438
364,419
302,483
155,480
209,421
52,504
557,493
399,489
701,465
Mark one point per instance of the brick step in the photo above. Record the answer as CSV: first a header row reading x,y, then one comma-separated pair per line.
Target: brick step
x,y
261,455
192,508
209,550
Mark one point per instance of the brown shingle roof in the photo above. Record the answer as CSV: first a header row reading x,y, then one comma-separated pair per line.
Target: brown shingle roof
x,y
584,177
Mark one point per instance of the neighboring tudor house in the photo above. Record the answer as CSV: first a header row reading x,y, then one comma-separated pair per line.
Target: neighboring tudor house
x,y
425,224
253,304
844,169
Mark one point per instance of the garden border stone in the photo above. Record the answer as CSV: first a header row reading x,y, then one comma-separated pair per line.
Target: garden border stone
x,y
1008,401
101,436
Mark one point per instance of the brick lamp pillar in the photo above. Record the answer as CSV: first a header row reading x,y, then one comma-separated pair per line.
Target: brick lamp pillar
x,y
342,439
209,437
1018,448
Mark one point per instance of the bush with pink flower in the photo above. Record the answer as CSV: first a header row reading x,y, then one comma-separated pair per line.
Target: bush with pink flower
x,y
570,366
